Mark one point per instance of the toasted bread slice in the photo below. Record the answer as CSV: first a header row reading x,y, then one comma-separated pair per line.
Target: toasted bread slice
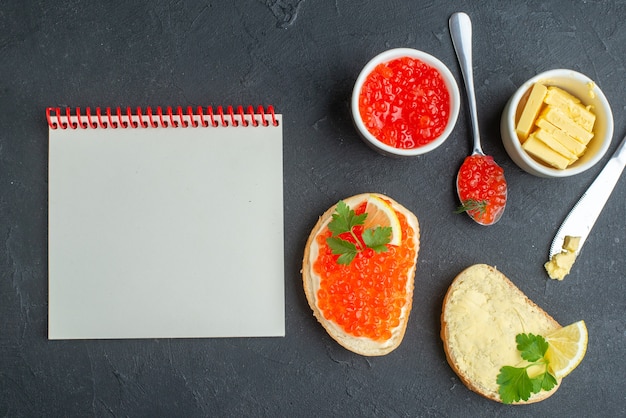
x,y
353,339
482,313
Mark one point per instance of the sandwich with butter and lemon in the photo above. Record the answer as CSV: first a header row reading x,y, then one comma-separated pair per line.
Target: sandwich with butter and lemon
x,y
501,344
358,272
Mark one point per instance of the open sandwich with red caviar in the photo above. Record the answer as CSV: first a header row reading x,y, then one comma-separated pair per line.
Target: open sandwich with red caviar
x,y
358,272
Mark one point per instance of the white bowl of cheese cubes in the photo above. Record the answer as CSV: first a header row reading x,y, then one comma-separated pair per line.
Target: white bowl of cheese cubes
x,y
557,124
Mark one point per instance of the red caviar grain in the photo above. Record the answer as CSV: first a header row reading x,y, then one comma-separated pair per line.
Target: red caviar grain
x,y
405,103
366,297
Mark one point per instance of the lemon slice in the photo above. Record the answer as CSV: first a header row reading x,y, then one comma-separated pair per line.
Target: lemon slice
x,y
380,213
566,348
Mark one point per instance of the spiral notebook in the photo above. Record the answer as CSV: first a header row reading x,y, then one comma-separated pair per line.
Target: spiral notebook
x,y
165,223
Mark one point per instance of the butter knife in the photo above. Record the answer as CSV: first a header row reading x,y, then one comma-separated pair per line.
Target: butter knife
x,y
585,212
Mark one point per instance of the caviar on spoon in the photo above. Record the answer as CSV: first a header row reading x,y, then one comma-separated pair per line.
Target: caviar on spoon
x,y
480,183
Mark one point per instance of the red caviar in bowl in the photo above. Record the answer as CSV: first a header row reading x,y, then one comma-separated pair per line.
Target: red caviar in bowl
x,y
405,103
365,298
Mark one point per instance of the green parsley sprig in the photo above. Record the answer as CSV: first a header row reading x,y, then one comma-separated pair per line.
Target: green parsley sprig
x,y
344,220
515,383
471,205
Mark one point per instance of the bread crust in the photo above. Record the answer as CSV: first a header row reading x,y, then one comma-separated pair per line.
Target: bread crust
x,y
451,356
360,345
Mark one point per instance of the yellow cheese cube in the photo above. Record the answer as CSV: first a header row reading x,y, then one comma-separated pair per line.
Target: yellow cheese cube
x,y
571,106
571,243
530,111
559,119
542,152
558,92
550,140
570,143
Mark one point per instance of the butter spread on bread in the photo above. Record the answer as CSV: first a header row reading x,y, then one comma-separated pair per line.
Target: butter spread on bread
x,y
482,313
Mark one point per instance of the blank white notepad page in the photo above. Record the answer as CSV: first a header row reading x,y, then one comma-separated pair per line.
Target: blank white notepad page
x,y
166,232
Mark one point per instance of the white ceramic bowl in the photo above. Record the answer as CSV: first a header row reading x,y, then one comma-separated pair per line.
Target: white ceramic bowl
x,y
428,59
589,93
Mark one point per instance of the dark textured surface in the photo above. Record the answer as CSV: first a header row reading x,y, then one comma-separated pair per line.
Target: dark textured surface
x,y
303,57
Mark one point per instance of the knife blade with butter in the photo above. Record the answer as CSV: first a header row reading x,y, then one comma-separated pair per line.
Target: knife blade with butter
x,y
586,211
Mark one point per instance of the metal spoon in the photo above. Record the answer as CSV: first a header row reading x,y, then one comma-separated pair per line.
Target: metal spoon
x,y
478,171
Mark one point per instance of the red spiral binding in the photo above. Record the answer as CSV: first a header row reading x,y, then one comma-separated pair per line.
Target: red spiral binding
x,y
67,113
92,125
121,122
171,117
220,112
202,120
150,118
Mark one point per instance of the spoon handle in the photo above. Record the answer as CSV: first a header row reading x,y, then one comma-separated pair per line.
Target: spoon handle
x,y
461,33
